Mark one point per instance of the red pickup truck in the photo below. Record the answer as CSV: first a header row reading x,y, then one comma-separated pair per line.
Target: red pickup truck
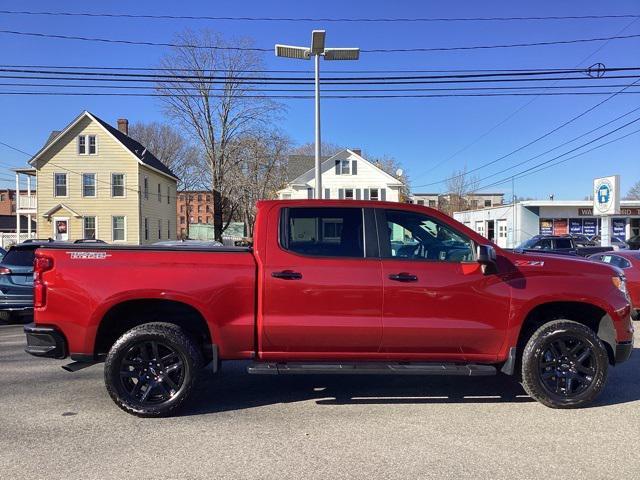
x,y
331,287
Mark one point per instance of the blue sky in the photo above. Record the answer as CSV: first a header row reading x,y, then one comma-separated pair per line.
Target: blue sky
x,y
419,133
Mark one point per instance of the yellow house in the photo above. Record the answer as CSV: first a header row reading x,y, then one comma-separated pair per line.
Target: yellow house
x,y
96,182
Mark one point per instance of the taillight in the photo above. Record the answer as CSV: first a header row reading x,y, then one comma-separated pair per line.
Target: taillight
x,y
5,271
40,265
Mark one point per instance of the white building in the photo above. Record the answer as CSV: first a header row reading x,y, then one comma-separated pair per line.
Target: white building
x,y
345,175
510,225
474,200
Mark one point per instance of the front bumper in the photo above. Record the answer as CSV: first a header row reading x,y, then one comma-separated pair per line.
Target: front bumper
x,y
45,342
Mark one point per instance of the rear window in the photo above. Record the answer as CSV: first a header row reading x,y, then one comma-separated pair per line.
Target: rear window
x,y
563,243
325,232
22,257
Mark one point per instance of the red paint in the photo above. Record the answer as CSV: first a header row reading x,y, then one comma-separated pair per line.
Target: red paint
x,y
340,309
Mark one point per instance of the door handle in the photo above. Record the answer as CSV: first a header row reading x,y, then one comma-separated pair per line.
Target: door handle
x,y
287,275
403,277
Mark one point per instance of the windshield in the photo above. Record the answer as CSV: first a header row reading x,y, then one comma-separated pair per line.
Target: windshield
x,y
527,244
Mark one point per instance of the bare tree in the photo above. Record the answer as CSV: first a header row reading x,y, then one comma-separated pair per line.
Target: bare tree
x,y
208,94
391,166
171,147
460,186
634,192
260,173
327,149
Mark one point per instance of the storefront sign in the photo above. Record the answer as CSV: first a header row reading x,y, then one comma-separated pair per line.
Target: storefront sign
x,y
625,211
546,226
560,226
606,195
590,227
575,226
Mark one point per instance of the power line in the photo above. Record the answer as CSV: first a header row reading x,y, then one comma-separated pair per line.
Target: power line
x,y
287,97
317,19
375,50
536,140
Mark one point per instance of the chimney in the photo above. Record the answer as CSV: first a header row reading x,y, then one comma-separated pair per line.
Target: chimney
x,y
357,151
123,125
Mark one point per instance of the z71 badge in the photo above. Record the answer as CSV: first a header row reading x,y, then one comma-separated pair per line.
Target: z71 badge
x,y
88,255
529,263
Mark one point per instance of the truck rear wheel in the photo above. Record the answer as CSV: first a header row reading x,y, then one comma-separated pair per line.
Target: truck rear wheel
x,y
564,365
151,369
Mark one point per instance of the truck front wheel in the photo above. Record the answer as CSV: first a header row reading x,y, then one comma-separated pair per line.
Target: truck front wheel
x,y
564,365
151,369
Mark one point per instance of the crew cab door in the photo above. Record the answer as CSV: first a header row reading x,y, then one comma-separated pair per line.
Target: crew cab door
x,y
437,301
322,290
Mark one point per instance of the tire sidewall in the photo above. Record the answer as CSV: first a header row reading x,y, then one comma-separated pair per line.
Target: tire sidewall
x,y
114,384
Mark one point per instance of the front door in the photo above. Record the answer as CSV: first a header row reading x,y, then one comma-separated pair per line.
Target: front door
x,y
437,302
321,293
502,234
61,228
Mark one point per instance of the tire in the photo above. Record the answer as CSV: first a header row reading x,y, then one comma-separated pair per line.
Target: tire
x,y
151,369
564,365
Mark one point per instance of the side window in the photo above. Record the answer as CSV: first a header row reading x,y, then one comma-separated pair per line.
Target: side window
x,y
323,232
419,237
563,243
543,244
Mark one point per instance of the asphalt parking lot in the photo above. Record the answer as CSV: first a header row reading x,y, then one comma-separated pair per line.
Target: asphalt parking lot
x,y
55,424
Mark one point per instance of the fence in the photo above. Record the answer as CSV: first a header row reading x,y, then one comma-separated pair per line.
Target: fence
x,y
8,239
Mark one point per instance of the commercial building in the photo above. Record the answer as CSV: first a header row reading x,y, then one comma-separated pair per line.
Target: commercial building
x,y
193,207
510,225
472,201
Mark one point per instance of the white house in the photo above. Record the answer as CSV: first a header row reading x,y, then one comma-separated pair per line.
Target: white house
x,y
345,175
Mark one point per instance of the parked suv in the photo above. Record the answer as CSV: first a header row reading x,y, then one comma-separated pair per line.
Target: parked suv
x,y
16,281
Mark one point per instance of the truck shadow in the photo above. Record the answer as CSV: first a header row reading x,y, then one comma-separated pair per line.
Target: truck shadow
x,y
234,389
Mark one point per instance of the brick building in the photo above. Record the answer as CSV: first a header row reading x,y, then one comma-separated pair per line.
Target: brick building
x,y
193,207
8,200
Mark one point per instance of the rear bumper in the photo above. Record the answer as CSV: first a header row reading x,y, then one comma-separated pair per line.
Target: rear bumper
x,y
623,351
45,342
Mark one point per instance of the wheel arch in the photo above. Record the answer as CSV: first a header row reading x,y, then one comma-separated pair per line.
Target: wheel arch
x,y
128,314
589,314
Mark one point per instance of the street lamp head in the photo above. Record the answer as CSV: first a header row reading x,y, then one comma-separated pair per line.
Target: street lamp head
x,y
341,53
317,42
289,51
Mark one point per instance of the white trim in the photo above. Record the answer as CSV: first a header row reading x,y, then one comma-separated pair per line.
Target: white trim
x,y
125,229
53,210
95,184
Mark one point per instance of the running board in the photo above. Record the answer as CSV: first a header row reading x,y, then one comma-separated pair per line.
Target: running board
x,y
370,368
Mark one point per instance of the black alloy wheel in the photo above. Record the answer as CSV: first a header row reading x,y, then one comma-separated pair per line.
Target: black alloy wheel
x,y
152,372
567,367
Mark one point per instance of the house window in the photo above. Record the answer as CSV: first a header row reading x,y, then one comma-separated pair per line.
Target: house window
x,y
348,193
487,203
146,188
60,184
181,208
199,197
168,228
117,184
88,185
432,203
421,202
345,167
89,228
87,144
374,194
92,145
199,208
182,220
199,219
159,229
159,192
168,194
286,196
118,228
146,228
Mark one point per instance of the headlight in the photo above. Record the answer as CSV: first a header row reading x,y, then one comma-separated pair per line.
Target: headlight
x,y
620,282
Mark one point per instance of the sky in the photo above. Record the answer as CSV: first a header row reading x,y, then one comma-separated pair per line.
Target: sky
x,y
424,135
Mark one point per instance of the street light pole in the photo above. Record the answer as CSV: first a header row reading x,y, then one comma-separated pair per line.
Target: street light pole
x,y
318,144
317,50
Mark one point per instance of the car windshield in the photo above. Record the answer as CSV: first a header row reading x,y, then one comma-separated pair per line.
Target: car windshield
x,y
527,244
22,257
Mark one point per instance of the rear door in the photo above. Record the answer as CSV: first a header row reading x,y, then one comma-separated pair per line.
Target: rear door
x,y
322,287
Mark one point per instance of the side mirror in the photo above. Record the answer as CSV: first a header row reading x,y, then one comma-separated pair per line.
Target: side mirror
x,y
486,257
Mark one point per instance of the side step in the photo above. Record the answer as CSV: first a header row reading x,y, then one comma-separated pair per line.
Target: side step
x,y
370,368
